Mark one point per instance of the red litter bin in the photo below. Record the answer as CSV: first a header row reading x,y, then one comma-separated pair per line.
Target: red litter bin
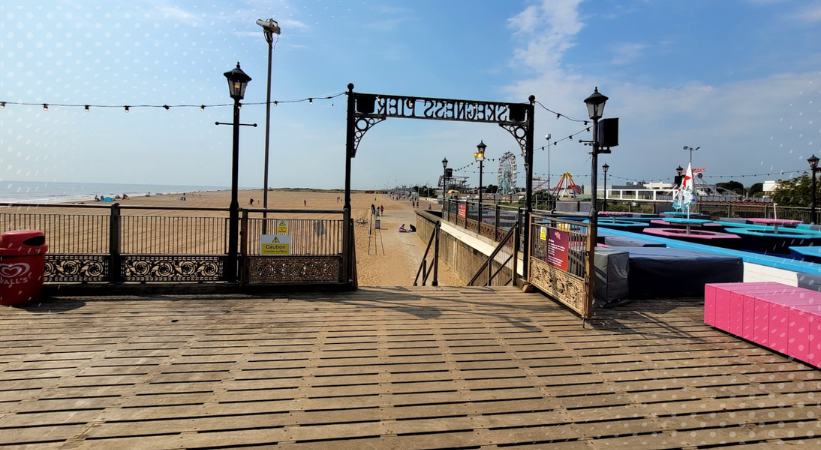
x,y
22,261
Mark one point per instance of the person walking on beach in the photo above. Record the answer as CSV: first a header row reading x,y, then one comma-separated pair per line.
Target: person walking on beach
x,y
252,202
305,202
381,210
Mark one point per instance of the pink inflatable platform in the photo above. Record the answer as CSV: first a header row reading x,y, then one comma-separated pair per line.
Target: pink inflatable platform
x,y
782,318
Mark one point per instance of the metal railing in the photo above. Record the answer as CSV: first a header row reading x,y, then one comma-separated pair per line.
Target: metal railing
x,y
511,236
737,209
560,261
307,236
109,243
81,233
426,269
496,219
559,242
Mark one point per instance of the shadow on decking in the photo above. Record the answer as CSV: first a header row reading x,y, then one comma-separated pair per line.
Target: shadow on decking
x,y
405,300
637,316
48,306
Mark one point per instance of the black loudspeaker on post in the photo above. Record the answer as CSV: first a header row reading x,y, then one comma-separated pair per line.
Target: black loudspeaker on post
x,y
608,132
448,173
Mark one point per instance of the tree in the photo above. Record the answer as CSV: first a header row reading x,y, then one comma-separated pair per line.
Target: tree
x,y
795,192
733,186
491,189
756,190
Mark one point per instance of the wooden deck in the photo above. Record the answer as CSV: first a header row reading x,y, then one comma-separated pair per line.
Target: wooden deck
x,y
390,368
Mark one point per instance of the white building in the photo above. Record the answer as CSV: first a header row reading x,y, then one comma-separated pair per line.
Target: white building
x,y
769,187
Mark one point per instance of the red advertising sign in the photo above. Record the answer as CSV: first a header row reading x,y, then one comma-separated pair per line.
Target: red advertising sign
x,y
463,210
558,242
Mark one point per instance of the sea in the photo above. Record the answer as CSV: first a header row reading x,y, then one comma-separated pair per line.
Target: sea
x,y
40,192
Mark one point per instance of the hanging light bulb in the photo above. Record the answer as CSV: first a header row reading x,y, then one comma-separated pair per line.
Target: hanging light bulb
x,y
45,106
126,108
2,105
87,107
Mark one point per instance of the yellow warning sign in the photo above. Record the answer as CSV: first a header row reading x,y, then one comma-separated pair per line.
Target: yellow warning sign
x,y
282,227
273,244
543,233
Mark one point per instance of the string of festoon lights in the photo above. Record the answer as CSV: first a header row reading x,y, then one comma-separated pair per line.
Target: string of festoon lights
x,y
544,147
126,108
637,180
562,116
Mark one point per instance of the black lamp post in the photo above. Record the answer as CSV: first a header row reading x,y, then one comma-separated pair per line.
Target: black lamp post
x,y
444,182
605,167
480,156
269,28
677,179
237,82
595,109
813,161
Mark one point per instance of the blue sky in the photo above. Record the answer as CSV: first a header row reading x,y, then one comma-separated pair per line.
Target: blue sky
x,y
740,78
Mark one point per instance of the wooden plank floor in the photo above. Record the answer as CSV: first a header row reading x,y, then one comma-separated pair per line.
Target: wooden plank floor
x,y
390,368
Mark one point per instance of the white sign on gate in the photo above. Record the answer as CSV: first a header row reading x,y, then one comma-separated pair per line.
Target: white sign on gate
x,y
275,244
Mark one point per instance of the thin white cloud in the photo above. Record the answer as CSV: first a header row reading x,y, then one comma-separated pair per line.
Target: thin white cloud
x,y
548,28
386,24
809,14
627,52
177,14
293,24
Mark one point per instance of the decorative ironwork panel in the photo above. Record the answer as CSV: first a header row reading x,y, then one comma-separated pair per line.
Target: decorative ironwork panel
x,y
172,268
519,132
487,230
361,126
567,288
471,225
294,269
75,268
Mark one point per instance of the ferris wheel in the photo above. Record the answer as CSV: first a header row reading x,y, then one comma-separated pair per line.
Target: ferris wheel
x,y
507,174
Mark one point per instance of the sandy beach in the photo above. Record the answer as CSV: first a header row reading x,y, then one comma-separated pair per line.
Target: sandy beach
x,y
385,257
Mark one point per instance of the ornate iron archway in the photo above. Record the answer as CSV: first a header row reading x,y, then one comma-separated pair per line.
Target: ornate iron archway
x,y
366,110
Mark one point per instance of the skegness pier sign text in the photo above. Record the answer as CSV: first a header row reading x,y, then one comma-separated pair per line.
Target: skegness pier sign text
x,y
440,108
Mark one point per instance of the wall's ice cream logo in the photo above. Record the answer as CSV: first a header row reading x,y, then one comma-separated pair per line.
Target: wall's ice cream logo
x,y
17,273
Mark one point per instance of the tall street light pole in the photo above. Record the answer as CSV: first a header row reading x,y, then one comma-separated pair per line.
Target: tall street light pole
x,y
480,156
604,168
237,82
444,182
691,150
595,109
547,137
269,28
813,161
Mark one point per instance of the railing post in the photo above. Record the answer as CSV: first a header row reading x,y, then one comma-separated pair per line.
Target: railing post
x,y
496,224
516,238
489,270
346,245
114,231
436,228
243,247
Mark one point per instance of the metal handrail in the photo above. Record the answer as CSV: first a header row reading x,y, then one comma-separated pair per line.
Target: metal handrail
x,y
423,265
424,268
169,208
488,264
